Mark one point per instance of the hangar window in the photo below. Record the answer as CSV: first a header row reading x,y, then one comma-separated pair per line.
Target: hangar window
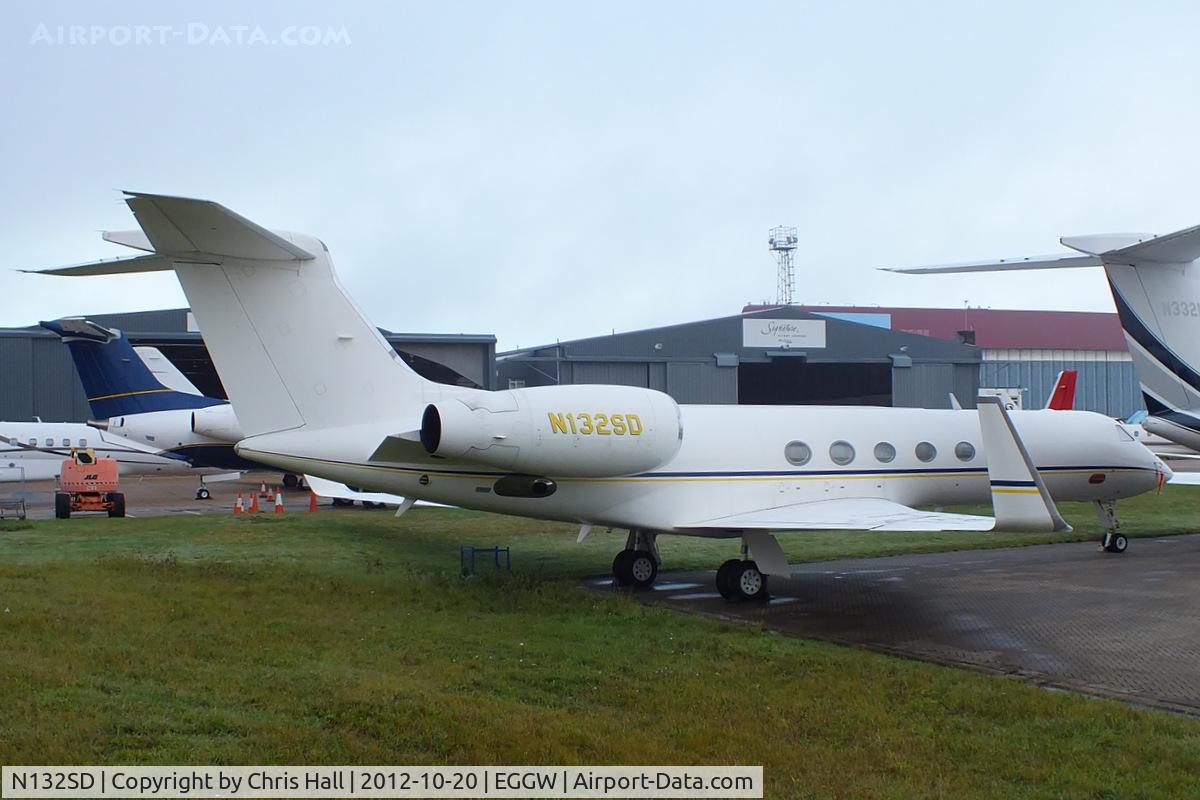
x,y
925,451
965,451
797,453
841,453
885,452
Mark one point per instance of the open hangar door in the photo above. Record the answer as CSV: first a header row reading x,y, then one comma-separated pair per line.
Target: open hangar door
x,y
795,381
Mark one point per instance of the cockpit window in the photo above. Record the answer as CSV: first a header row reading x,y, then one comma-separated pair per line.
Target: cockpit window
x,y
1124,435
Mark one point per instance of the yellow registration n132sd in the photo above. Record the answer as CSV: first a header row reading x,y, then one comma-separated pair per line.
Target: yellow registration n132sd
x,y
595,424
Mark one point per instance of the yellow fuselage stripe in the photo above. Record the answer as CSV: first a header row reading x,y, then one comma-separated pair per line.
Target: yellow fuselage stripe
x,y
128,394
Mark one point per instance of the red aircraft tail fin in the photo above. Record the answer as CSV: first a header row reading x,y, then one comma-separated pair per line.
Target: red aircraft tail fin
x,y
1062,397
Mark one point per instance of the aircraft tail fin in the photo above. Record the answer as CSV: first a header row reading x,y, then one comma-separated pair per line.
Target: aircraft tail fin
x,y
1062,396
292,349
114,378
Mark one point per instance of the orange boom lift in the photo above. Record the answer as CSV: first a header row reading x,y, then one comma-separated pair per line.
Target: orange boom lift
x,y
87,483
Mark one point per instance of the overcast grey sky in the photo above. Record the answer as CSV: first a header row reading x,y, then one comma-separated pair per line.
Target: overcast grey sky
x,y
557,170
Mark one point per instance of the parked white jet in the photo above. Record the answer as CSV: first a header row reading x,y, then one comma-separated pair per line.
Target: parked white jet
x,y
318,390
1155,283
35,451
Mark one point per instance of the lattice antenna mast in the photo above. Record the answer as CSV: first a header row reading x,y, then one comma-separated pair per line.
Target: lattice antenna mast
x,y
782,242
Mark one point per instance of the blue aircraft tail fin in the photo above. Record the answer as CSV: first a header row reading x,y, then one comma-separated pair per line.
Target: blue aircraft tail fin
x,y
114,378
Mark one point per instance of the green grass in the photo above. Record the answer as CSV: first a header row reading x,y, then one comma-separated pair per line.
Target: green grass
x,y
349,637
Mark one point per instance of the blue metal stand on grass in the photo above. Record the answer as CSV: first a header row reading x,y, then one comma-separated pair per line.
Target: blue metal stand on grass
x,y
467,554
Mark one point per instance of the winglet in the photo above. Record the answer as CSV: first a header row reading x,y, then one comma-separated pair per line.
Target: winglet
x,y
1019,497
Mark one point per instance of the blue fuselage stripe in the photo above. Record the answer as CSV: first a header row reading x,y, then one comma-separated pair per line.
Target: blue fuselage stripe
x,y
1141,334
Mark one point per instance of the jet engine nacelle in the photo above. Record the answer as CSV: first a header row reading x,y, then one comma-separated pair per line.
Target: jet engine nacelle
x,y
217,422
570,431
160,429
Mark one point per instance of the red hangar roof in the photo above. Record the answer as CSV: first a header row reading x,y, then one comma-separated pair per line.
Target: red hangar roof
x,y
992,328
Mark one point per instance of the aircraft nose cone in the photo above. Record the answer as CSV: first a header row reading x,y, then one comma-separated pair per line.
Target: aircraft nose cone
x,y
1163,470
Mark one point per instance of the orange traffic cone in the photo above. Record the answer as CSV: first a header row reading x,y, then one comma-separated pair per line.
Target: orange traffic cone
x,y
237,507
253,504
312,501
278,501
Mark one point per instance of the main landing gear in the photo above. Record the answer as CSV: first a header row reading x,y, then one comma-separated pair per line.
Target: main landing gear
x,y
740,579
637,564
1114,541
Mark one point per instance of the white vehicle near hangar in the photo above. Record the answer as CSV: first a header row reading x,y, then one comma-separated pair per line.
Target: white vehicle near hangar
x,y
316,389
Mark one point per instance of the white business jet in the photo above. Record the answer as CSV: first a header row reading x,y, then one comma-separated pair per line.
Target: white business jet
x,y
317,390
35,451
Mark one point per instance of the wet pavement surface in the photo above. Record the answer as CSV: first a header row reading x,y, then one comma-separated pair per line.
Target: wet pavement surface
x,y
1067,616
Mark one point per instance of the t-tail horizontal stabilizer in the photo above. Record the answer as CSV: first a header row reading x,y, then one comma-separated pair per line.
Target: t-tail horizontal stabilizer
x,y
1019,497
1132,249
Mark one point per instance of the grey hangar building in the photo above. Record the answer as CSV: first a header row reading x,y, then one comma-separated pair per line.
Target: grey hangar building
x,y
847,355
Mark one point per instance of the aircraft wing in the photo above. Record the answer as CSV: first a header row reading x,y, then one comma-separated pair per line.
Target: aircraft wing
x,y
857,514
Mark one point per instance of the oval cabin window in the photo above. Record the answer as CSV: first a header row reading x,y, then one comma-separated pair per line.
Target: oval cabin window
x,y
797,453
885,452
841,453
925,451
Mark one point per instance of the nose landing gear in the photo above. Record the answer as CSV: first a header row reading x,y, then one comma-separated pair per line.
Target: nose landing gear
x,y
1114,541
